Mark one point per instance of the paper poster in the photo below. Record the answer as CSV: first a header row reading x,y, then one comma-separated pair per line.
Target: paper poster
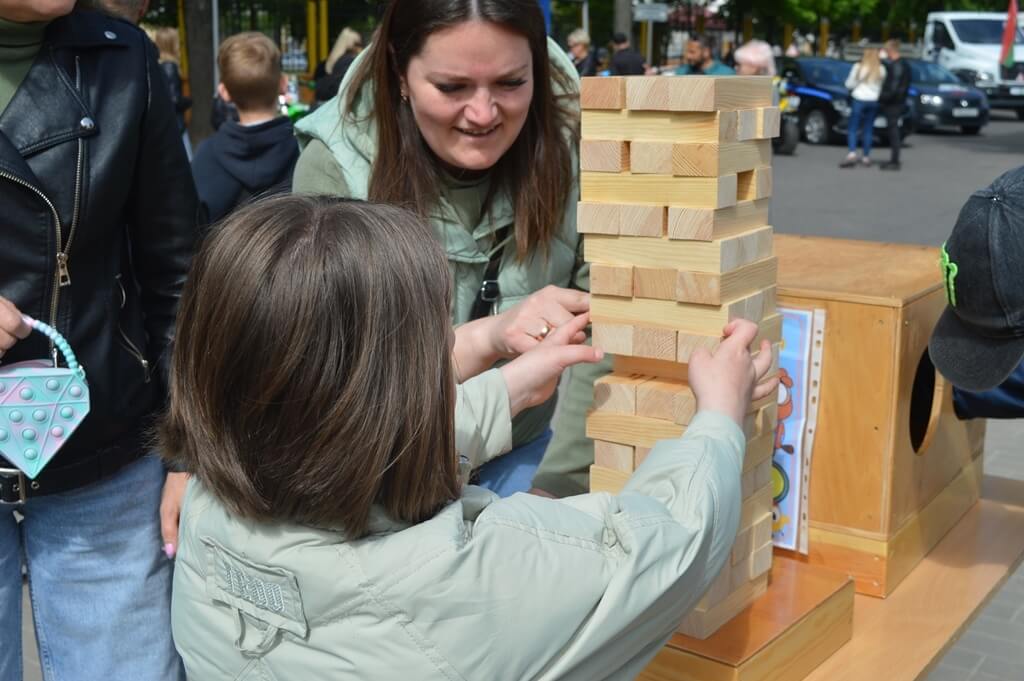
x,y
800,367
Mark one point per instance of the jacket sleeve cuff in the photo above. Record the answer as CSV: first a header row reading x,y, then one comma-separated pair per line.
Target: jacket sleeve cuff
x,y
483,418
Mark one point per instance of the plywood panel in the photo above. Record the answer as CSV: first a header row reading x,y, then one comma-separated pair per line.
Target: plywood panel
x,y
707,192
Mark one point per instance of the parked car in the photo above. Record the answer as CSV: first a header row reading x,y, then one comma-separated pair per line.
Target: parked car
x,y
825,102
943,99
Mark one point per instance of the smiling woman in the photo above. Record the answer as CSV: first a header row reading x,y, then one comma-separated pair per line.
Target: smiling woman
x,y
465,112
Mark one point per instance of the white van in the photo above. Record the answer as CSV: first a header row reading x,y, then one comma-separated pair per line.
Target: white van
x,y
969,44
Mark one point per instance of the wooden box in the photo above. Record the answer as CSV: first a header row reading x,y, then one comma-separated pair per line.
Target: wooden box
x,y
893,469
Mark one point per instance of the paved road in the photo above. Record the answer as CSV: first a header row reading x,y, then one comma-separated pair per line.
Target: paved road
x,y
917,205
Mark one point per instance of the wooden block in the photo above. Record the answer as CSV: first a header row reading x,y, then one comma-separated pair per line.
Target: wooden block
x,y
699,159
742,92
615,339
761,560
603,93
604,156
653,158
712,289
657,126
747,125
747,486
692,318
654,342
607,480
685,407
763,530
706,224
697,93
743,546
654,282
755,505
763,473
706,192
640,454
770,328
702,623
642,220
656,398
597,218
758,449
728,127
616,393
719,589
769,122
611,280
614,456
721,255
638,431
754,184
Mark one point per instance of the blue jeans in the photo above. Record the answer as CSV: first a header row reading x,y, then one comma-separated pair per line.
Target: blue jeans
x,y
99,582
862,115
514,471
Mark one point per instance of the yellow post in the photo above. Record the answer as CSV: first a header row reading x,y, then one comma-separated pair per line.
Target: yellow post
x,y
855,32
885,31
311,51
323,43
787,36
748,27
700,21
823,36
182,38
642,47
913,32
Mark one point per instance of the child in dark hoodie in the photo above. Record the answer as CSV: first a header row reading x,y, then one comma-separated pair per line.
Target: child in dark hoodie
x,y
257,154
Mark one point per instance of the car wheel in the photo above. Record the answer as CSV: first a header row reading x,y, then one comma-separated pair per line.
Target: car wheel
x,y
970,129
815,127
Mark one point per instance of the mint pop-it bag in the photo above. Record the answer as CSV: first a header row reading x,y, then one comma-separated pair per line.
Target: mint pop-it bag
x,y
41,404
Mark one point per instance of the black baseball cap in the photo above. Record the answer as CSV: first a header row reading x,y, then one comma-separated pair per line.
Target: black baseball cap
x,y
979,339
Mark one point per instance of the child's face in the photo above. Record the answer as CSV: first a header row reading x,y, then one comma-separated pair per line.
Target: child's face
x,y
470,89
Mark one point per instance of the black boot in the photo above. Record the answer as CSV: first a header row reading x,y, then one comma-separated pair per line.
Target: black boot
x,y
890,165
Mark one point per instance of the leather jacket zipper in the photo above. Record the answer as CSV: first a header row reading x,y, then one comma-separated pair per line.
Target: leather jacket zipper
x,y
63,274
126,341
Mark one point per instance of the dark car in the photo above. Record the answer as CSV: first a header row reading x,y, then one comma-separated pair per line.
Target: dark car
x,y
824,108
943,99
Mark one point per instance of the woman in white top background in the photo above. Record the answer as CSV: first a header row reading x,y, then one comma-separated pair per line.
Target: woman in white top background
x,y
865,85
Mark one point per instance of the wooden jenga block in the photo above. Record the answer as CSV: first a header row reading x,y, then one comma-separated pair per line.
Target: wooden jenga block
x,y
611,280
718,591
743,546
712,289
654,342
763,530
616,393
597,218
763,473
755,505
754,184
607,480
603,93
706,224
699,159
769,122
614,456
697,93
638,431
657,126
747,486
761,560
639,220
747,125
685,407
653,158
721,255
702,623
655,282
707,192
692,318
656,398
616,339
770,329
759,449
604,156
640,455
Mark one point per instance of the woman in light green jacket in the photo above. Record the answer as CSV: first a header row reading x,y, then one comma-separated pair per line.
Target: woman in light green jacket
x,y
327,532
474,125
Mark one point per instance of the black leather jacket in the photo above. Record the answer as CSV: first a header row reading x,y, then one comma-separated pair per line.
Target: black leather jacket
x,y
896,84
98,214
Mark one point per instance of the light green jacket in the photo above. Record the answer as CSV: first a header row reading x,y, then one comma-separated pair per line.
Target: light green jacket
x,y
584,588
337,158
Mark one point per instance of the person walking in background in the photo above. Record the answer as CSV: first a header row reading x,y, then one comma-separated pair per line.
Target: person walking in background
x,y
700,59
865,85
582,56
755,58
626,61
331,72
257,154
167,42
893,99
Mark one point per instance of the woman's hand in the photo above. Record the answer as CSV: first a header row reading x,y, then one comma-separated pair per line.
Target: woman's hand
x,y
524,327
727,380
532,377
13,326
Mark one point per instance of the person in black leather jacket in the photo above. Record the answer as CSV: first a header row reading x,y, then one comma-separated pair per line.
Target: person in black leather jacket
x,y
893,99
99,222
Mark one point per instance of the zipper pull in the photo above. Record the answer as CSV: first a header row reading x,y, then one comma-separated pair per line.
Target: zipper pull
x,y
63,274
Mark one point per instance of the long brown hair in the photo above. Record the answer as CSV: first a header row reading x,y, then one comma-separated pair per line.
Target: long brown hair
x,y
536,172
312,372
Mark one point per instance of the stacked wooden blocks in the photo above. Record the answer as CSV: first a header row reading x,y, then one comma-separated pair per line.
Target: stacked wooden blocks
x,y
675,189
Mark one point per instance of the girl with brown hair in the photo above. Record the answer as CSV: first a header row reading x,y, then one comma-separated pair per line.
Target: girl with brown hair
x,y
465,112
327,531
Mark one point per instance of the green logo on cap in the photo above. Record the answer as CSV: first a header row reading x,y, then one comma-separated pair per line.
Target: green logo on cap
x,y
949,272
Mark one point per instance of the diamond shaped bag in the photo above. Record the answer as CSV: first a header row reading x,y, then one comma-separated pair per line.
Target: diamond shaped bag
x,y
41,404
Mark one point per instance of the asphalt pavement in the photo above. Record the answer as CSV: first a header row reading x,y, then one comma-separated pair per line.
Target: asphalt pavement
x,y
919,204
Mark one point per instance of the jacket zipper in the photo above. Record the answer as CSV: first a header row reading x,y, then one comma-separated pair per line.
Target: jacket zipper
x,y
64,274
126,341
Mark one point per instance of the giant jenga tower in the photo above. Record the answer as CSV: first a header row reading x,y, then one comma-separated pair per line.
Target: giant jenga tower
x,y
676,183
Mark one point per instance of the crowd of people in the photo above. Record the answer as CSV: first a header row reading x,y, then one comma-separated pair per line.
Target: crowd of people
x,y
322,360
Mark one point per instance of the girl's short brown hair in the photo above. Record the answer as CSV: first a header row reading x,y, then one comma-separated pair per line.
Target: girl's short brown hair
x,y
312,373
